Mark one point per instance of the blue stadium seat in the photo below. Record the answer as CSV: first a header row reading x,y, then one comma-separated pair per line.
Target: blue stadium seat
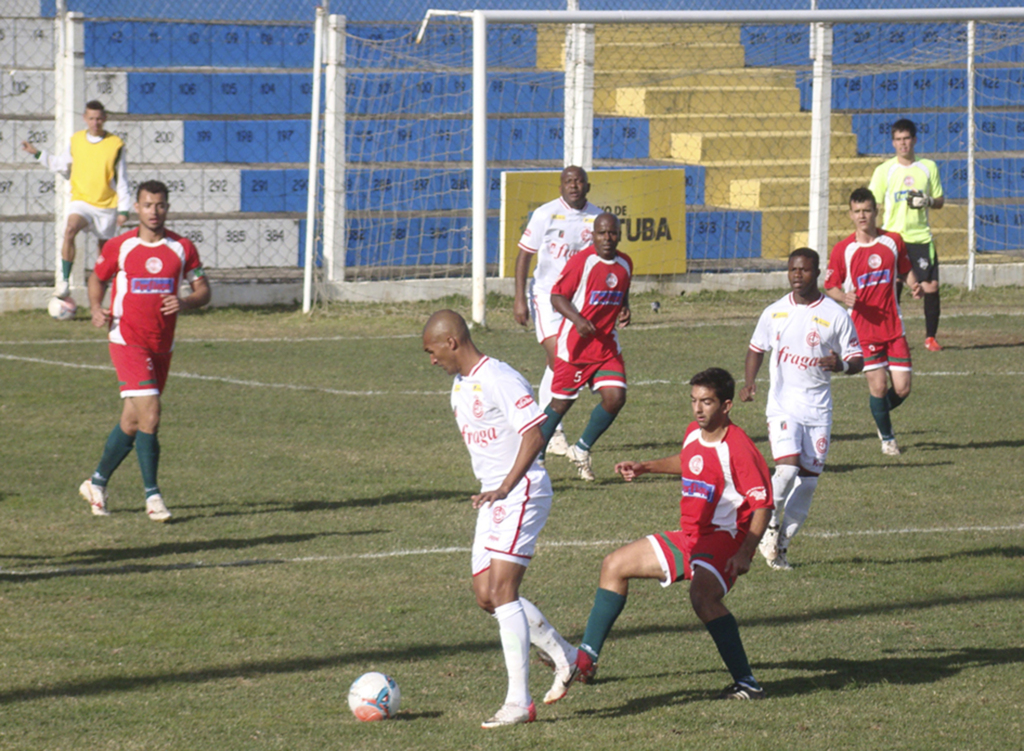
x,y
271,94
695,179
550,139
954,88
993,179
190,93
318,259
419,190
263,190
288,140
190,44
742,238
897,41
109,44
857,44
230,94
925,91
885,91
297,43
458,94
229,46
246,141
604,137
456,190
990,227
953,173
385,46
153,44
149,93
792,45
705,233
205,141
760,44
265,46
516,46
631,138
516,139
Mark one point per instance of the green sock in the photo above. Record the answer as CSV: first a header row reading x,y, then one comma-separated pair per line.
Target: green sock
x,y
148,449
547,428
65,269
119,445
893,399
726,634
607,606
880,411
600,421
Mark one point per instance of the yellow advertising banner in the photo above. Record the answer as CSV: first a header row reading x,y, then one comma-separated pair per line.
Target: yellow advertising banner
x,y
650,203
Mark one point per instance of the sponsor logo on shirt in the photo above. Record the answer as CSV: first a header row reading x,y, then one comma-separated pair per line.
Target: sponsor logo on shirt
x,y
821,445
821,322
605,297
612,281
478,408
498,514
779,315
813,339
154,285
153,265
480,438
874,261
802,362
524,402
698,489
697,464
757,495
874,278
585,235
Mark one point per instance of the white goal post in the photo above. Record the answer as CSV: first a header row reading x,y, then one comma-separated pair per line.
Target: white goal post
x,y
482,18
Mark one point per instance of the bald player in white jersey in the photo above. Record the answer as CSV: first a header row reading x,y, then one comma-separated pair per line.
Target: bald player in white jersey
x,y
810,336
500,425
557,231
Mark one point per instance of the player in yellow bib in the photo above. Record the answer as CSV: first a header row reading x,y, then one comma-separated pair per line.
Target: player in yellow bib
x,y
94,162
907,187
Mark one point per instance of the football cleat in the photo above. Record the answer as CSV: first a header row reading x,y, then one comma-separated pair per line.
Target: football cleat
x,y
156,509
889,448
779,562
768,543
511,714
564,677
558,445
96,497
931,345
742,691
581,459
586,667
62,289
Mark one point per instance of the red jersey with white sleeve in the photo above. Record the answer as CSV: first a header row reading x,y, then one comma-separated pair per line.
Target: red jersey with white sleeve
x,y
493,407
871,271
598,289
556,232
799,336
142,274
723,483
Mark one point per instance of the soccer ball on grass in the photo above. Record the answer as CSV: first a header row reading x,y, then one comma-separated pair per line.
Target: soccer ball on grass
x,y
62,310
374,696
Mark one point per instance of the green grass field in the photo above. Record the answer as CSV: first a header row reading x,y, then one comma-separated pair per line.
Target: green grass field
x,y
322,525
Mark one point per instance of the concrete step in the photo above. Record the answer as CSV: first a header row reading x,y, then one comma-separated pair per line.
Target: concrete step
x,y
659,100
719,175
705,148
653,55
784,191
641,77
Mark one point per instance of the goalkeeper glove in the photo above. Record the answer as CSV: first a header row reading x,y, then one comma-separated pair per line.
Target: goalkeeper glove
x,y
918,200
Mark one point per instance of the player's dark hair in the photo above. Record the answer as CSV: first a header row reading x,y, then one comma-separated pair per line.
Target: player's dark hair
x,y
809,254
718,380
862,195
151,186
96,105
904,125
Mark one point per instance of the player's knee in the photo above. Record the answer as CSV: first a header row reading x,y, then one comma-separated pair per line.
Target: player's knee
x,y
902,391
613,400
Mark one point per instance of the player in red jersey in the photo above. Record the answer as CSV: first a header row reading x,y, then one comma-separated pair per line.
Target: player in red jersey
x,y
146,267
593,296
862,273
725,507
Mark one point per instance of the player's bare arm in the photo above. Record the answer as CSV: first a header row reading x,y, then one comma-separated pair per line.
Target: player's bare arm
x,y
529,447
849,299
520,309
739,564
833,362
625,314
97,289
630,470
565,307
199,297
750,368
911,281
26,146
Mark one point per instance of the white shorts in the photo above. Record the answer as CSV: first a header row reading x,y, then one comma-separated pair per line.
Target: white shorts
x,y
546,319
810,443
102,222
507,530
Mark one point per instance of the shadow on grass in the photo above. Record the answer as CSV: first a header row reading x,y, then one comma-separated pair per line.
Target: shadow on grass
x,y
290,507
837,469
831,674
1016,552
994,345
936,446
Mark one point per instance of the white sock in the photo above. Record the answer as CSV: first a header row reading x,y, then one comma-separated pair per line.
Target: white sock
x,y
798,506
515,643
782,484
544,392
544,636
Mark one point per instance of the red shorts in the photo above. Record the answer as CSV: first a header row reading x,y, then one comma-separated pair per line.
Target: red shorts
x,y
894,355
679,552
569,377
139,371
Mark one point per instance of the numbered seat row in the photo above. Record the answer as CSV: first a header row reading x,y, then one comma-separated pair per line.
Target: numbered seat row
x,y
942,132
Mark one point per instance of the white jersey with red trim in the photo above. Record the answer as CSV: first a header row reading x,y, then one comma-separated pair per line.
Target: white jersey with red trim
x,y
493,407
723,483
798,336
556,232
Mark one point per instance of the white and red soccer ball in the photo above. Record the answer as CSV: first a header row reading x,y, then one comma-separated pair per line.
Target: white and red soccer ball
x,y
62,310
374,696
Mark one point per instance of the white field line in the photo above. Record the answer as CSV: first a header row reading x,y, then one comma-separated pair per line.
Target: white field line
x,y
348,392
128,568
